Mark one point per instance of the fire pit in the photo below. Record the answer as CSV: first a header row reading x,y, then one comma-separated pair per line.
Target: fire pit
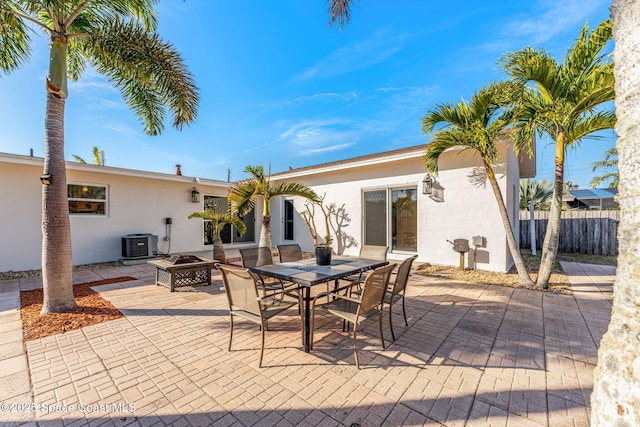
x,y
182,270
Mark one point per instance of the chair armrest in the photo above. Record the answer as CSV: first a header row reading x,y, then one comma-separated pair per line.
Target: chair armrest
x,y
336,295
274,294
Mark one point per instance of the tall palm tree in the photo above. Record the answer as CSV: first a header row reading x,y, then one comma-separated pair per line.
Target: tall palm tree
x,y
476,125
616,390
537,191
219,220
243,195
117,38
610,161
568,101
98,157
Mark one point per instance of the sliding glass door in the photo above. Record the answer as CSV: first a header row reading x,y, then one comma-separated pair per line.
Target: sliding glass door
x,y
391,218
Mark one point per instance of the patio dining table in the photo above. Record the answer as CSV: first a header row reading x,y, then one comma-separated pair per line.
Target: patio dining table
x,y
306,273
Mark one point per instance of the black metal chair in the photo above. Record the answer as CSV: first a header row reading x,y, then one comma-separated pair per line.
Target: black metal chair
x,y
241,288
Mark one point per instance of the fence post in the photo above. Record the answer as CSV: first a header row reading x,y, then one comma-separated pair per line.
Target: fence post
x,y
532,227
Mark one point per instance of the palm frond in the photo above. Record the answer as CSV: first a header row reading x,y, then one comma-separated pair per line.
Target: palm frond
x,y
14,40
294,189
538,191
242,197
220,219
586,54
340,12
587,126
440,142
149,73
79,159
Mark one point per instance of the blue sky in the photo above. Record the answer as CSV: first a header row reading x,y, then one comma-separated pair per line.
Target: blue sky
x,y
281,88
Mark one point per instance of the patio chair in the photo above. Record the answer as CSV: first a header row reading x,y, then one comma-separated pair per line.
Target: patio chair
x,y
368,252
396,290
290,252
255,257
241,288
355,311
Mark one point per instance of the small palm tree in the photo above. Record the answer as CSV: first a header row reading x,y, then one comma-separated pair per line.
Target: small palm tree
x,y
569,102
98,157
476,125
219,220
537,191
243,195
610,161
118,39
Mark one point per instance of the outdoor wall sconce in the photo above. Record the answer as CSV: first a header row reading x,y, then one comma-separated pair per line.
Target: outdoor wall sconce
x,y
45,179
427,184
195,195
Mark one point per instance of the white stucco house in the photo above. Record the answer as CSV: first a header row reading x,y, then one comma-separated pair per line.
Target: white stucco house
x,y
380,197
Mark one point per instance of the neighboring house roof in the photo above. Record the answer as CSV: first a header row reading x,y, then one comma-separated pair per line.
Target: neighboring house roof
x,y
598,193
599,198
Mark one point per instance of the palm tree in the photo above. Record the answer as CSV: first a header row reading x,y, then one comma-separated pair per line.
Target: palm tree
x,y
610,161
566,102
219,220
98,157
117,38
243,195
340,12
616,390
476,125
537,191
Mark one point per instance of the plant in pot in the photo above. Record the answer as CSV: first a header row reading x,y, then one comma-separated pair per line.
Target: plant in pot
x,y
322,244
219,220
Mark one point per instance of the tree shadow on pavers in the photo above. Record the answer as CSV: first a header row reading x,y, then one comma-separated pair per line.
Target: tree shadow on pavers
x,y
454,409
477,333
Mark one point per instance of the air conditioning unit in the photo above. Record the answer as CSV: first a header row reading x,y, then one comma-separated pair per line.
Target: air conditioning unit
x,y
139,245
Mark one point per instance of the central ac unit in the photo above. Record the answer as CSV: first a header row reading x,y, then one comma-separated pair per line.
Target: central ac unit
x,y
139,245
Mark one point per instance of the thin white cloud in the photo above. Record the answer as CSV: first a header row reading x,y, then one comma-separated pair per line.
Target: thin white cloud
x,y
316,98
555,18
319,136
356,56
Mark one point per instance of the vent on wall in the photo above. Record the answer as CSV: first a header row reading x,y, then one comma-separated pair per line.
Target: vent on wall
x,y
139,245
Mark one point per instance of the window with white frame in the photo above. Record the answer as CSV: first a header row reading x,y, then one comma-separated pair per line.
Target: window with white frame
x,y
85,199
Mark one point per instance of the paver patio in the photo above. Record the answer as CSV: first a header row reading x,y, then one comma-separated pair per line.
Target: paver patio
x,y
473,355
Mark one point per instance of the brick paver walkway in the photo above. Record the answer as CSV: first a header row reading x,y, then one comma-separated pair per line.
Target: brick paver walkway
x,y
473,355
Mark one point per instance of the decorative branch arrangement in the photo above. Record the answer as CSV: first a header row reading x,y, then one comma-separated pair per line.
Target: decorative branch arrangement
x,y
310,219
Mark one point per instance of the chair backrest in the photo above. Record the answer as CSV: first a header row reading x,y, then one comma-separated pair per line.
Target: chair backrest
x,y
241,290
256,257
403,275
374,252
374,288
291,252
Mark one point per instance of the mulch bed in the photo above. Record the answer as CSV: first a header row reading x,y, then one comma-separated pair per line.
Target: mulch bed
x,y
92,309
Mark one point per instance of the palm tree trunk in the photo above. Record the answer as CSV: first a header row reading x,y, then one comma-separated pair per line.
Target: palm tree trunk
x,y
57,266
523,274
265,233
552,235
218,250
616,392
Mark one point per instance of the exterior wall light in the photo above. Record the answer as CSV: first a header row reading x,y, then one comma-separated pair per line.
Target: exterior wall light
x,y
45,179
195,195
427,185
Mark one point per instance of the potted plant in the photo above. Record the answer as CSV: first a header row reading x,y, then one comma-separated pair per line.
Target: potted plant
x,y
322,244
219,220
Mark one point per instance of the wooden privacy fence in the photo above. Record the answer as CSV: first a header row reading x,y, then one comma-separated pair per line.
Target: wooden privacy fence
x,y
586,232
